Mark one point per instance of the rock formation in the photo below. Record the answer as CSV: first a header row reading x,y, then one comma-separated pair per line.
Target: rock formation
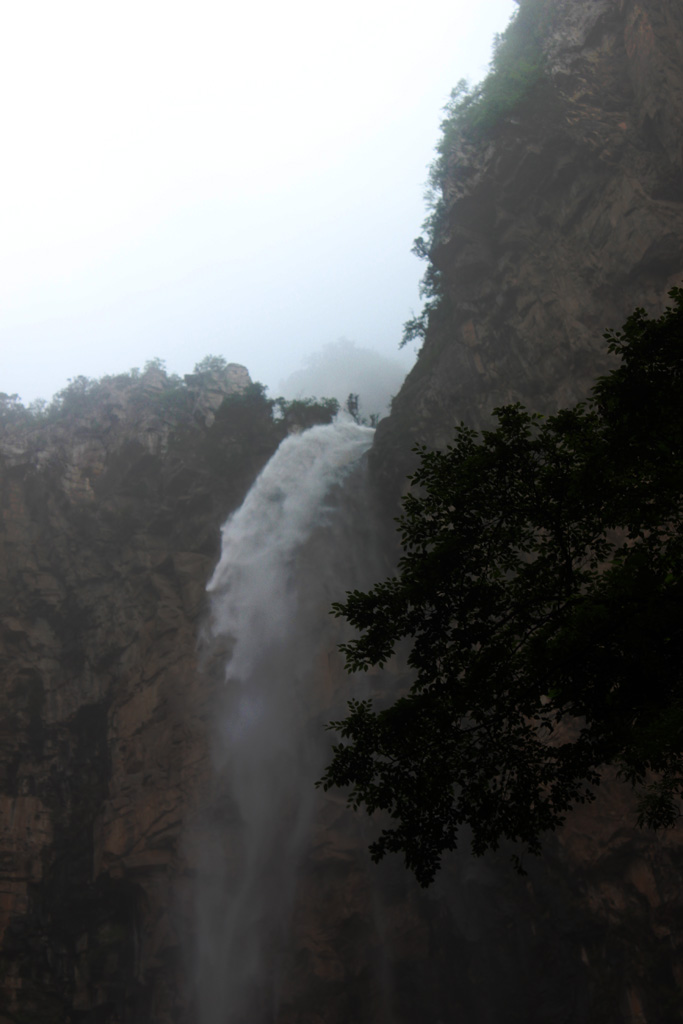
x,y
109,530
559,221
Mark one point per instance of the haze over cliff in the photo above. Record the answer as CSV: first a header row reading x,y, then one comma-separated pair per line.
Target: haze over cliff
x,y
555,221
237,179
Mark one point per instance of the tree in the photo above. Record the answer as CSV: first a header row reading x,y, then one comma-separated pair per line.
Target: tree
x,y
211,364
541,589
351,406
11,408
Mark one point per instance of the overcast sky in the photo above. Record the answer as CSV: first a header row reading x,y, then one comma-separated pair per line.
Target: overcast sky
x,y
238,179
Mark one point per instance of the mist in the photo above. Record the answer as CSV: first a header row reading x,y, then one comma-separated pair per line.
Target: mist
x,y
245,182
342,368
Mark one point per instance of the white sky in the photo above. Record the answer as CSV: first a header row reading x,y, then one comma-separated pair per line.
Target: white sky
x,y
242,179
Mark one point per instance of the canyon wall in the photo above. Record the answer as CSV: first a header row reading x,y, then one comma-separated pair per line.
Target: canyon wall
x,y
559,221
109,529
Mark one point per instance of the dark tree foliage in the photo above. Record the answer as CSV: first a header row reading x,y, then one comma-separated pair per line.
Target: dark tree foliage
x,y
541,588
304,413
351,406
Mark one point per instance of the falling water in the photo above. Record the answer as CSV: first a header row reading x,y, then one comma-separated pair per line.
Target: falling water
x,y
286,554
294,924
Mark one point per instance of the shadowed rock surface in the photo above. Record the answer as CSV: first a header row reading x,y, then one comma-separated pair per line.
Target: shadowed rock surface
x,y
109,530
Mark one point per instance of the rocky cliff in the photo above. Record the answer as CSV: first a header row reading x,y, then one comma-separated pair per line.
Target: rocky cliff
x,y
558,220
555,223
109,516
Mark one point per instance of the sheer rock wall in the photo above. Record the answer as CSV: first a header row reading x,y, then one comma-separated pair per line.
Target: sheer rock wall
x,y
108,532
560,221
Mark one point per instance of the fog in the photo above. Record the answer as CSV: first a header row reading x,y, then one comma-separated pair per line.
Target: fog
x,y
184,179
343,368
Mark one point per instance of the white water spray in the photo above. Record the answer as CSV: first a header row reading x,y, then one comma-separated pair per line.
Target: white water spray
x,y
285,557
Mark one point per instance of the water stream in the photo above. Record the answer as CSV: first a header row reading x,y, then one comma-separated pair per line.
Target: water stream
x,y
291,549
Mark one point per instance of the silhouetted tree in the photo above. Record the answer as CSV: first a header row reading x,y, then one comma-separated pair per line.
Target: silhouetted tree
x,y
541,588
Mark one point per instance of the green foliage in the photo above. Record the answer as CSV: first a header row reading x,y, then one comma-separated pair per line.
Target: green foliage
x,y
303,413
351,407
541,589
175,400
415,329
248,417
156,363
83,396
516,65
244,420
242,410
210,364
38,408
11,409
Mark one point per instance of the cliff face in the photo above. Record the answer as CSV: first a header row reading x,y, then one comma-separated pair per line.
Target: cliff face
x,y
108,531
560,221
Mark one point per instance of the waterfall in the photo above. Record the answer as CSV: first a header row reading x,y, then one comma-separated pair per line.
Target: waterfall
x,y
294,924
286,554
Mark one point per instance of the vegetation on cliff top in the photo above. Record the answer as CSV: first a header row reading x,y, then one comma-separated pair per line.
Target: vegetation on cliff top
x,y
541,588
516,66
153,390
